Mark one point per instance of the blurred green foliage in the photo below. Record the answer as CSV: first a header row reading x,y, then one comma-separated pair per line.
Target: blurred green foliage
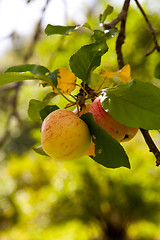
x,y
44,199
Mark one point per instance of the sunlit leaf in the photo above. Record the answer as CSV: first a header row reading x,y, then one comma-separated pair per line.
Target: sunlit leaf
x,y
87,59
35,69
63,81
9,77
107,11
86,25
57,29
134,104
63,30
124,74
108,152
35,106
107,74
66,81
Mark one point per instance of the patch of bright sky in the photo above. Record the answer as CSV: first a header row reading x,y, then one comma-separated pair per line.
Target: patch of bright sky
x,y
16,15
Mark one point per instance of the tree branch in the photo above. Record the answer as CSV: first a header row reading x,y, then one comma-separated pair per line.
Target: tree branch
x,y
114,22
121,35
120,41
152,147
151,29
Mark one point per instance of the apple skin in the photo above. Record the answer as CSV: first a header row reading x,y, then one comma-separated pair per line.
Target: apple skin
x,y
117,130
91,150
64,135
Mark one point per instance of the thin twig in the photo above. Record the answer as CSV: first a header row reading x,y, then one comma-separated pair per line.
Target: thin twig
x,y
151,29
151,51
36,34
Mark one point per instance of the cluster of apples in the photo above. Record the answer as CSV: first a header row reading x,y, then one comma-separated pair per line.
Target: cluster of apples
x,y
65,136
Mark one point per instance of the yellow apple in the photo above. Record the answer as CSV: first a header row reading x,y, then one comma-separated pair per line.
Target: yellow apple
x,y
64,135
91,150
117,130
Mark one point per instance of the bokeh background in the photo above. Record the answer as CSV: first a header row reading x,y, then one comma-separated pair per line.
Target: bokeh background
x,y
44,199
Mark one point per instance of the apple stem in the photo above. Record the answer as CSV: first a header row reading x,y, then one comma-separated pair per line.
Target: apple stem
x,y
85,93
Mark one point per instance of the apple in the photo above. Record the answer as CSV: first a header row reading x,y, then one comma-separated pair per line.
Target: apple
x,y
64,135
91,150
117,130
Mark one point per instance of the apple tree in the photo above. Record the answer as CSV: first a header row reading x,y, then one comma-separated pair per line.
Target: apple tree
x,y
126,105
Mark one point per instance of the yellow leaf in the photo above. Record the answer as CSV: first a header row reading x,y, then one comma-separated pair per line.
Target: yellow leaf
x,y
124,74
107,74
66,81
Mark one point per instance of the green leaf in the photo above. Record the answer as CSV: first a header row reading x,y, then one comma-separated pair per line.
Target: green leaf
x,y
107,11
9,77
47,99
111,33
108,151
87,59
157,71
39,150
33,110
62,30
35,106
47,110
35,69
134,104
53,76
86,25
99,35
